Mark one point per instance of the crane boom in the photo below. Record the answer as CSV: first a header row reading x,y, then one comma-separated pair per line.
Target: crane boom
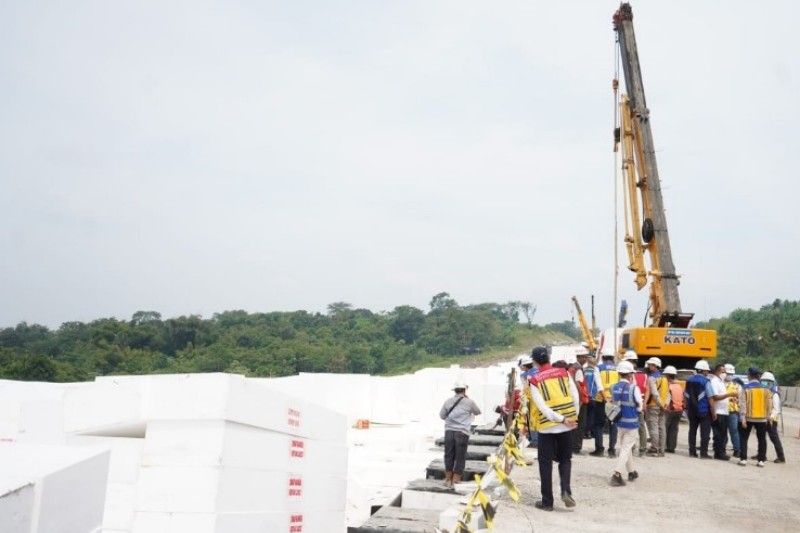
x,y
666,307
588,335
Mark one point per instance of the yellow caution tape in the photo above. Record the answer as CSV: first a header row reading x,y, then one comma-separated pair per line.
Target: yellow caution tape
x,y
506,481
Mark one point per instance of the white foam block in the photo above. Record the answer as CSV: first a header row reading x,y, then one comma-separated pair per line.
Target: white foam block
x,y
126,455
17,508
435,501
222,443
69,483
120,506
229,489
271,522
102,406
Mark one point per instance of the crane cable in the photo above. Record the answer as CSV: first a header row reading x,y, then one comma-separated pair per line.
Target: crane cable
x,y
615,87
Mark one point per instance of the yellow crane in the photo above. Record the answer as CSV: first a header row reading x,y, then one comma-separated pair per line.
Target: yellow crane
x,y
668,335
588,334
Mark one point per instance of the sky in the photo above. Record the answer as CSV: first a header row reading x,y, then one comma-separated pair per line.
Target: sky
x,y
195,157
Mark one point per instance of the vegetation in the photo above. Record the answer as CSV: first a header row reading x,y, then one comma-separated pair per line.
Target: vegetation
x,y
768,338
275,344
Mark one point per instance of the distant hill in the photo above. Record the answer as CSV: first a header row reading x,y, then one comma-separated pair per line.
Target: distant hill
x,y
278,343
768,338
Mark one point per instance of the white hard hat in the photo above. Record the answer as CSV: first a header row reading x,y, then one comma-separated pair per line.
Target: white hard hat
x,y
730,369
654,361
526,360
767,376
702,364
460,385
624,367
630,355
670,371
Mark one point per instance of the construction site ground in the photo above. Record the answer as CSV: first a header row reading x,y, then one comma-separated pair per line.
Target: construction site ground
x,y
674,493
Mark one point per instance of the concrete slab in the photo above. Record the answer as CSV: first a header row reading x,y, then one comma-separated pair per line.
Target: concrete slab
x,y
399,520
435,469
479,440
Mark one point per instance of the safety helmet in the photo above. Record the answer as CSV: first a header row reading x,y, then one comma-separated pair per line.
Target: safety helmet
x,y
730,369
654,361
670,371
525,360
767,376
630,355
702,364
540,355
624,367
460,385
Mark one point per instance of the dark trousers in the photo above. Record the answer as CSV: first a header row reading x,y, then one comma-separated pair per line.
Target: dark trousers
x,y
589,429
455,451
556,446
720,427
761,437
577,433
772,431
673,423
599,423
704,423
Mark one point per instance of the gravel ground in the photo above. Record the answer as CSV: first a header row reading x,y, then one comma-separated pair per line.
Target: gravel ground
x,y
674,493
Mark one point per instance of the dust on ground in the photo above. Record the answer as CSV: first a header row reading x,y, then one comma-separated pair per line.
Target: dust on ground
x,y
673,493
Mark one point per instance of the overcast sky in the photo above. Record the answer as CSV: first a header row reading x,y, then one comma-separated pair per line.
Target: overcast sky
x,y
195,157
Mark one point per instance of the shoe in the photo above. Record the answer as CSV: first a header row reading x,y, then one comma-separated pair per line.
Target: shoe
x,y
760,464
612,452
722,457
779,460
617,481
456,478
448,479
692,454
754,457
705,456
633,476
742,462
652,453
597,453
660,454
539,504
670,451
568,500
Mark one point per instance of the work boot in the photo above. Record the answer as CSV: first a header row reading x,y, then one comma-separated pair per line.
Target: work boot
x,y
617,481
612,452
652,452
633,476
597,453
539,504
725,457
779,460
448,479
705,456
568,500
456,479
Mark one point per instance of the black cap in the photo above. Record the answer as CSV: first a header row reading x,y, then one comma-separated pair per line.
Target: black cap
x,y
540,355
753,371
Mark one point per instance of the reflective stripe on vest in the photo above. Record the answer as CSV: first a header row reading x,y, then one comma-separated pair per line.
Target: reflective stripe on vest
x,y
556,394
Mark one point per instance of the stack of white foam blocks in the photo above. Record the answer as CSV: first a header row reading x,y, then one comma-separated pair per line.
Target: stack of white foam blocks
x,y
207,453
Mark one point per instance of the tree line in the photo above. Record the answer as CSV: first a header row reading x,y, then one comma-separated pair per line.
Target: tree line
x,y
768,338
345,339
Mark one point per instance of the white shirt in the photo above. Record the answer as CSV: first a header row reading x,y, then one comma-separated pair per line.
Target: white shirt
x,y
552,415
718,386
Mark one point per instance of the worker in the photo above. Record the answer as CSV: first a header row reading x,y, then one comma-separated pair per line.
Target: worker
x,y
698,409
629,397
640,378
656,398
768,380
576,370
719,411
458,412
674,410
556,403
589,369
755,409
605,377
733,385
